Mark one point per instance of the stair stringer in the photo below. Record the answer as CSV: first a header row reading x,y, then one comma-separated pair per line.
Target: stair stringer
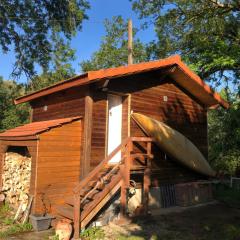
x,y
100,205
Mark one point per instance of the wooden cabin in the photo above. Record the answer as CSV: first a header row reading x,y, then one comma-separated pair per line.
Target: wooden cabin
x,y
94,110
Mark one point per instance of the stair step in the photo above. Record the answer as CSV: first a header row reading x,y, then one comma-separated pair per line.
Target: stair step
x,y
92,183
108,168
90,208
142,156
92,195
70,200
85,190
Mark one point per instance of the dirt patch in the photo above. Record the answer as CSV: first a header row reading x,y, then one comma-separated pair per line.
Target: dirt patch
x,y
209,222
44,235
202,223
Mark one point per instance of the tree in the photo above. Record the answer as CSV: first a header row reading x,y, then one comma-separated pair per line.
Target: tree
x,y
205,32
27,26
61,66
113,50
224,136
11,115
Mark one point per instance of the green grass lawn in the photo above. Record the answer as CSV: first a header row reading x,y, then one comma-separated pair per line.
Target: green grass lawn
x,y
230,196
7,225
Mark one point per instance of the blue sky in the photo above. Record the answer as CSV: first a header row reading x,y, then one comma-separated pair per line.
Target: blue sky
x,y
87,41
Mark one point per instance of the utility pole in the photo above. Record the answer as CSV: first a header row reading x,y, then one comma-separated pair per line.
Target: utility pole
x,y
130,42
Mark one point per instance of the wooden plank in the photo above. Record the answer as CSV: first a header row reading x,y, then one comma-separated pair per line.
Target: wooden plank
x,y
58,148
99,128
87,135
101,204
76,216
15,139
58,165
20,143
123,199
67,103
91,176
146,187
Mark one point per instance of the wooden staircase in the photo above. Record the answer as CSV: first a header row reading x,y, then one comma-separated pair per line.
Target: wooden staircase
x,y
100,185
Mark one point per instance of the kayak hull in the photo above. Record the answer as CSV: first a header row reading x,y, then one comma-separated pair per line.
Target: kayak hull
x,y
174,144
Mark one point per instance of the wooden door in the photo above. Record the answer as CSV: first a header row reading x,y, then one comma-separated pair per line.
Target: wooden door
x,y
114,125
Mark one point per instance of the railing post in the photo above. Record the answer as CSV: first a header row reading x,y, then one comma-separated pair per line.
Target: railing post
x,y
146,187
149,148
123,199
128,163
125,171
147,180
76,216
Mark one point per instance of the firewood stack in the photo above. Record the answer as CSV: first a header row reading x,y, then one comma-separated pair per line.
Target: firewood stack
x,y
16,179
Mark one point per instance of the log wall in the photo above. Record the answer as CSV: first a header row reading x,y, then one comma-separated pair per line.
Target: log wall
x,y
58,165
68,103
99,128
165,101
159,98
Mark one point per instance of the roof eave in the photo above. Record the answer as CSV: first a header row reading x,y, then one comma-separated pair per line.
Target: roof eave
x,y
19,138
111,73
201,83
71,82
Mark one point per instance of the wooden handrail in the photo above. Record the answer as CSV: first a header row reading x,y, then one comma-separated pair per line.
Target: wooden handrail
x,y
104,163
141,139
101,181
100,166
124,166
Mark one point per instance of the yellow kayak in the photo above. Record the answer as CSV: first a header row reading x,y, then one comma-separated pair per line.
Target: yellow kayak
x,y
175,144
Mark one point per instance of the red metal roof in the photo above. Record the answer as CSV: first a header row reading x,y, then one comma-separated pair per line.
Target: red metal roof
x,y
182,75
32,129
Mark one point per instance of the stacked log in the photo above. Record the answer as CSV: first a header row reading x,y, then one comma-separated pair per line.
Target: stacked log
x,y
16,179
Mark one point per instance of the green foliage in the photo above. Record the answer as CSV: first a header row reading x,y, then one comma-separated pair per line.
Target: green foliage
x,y
11,115
16,228
4,210
230,196
94,233
113,50
205,33
55,237
61,66
7,221
224,137
231,232
28,26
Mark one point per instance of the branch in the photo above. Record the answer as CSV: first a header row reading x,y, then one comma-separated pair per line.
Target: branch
x,y
217,69
225,6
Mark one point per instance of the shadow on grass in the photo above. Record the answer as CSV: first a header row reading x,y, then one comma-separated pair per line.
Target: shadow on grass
x,y
212,222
